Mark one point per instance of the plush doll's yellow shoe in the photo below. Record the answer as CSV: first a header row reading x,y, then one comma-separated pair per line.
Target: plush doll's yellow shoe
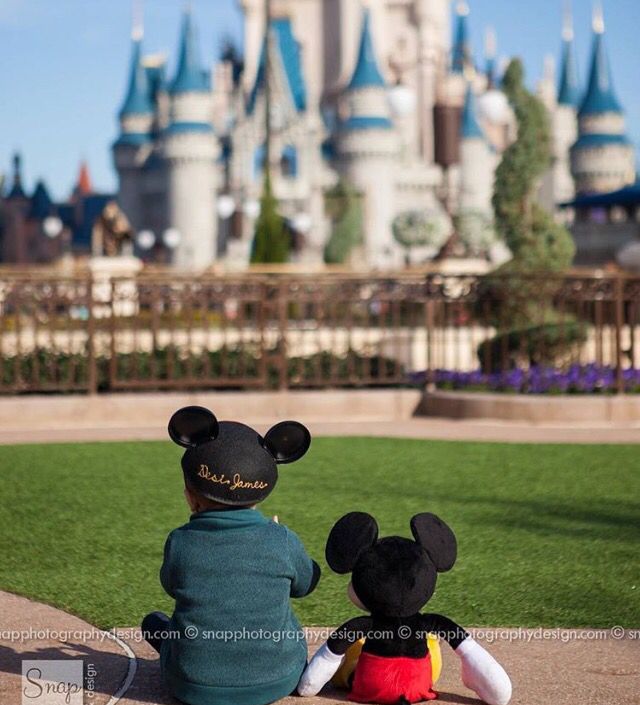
x,y
343,675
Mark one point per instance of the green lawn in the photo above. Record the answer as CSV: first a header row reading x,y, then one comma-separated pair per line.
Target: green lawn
x,y
547,534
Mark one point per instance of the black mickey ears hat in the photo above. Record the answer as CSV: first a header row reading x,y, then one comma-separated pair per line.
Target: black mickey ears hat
x,y
229,462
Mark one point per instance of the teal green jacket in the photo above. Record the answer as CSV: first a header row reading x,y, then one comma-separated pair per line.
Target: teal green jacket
x,y
234,639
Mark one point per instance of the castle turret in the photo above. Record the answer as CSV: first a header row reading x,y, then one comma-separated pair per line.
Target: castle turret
x,y
17,192
134,142
565,118
368,148
461,58
190,149
603,158
476,162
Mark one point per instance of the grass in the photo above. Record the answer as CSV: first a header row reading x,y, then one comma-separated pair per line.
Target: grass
x,y
548,534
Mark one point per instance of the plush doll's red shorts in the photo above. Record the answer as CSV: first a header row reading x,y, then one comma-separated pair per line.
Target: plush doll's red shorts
x,y
384,680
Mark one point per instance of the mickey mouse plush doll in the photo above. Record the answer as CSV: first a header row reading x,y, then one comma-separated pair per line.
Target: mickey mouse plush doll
x,y
392,579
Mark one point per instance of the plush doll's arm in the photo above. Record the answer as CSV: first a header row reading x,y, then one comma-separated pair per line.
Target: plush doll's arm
x,y
328,657
480,671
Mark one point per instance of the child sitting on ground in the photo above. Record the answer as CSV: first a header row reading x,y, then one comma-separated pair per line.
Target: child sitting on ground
x,y
233,638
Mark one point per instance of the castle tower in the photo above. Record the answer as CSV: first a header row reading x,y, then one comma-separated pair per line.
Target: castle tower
x,y
134,143
368,148
190,149
434,44
476,162
562,102
565,117
602,159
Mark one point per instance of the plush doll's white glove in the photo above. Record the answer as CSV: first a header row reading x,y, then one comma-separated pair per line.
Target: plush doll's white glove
x,y
483,674
320,671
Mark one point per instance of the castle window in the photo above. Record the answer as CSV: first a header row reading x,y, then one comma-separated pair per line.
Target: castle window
x,y
289,161
258,161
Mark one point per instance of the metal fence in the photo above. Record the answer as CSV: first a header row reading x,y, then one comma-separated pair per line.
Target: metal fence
x,y
269,332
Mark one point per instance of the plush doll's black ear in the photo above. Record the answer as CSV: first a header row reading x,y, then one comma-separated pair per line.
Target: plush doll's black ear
x,y
287,441
437,539
350,536
193,425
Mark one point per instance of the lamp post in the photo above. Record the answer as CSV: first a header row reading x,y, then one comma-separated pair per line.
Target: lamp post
x,y
267,89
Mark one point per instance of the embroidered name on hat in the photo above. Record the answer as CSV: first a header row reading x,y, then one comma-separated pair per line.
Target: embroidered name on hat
x,y
237,483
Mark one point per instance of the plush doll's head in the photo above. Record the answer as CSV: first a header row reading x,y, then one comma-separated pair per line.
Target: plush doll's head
x,y
393,576
229,462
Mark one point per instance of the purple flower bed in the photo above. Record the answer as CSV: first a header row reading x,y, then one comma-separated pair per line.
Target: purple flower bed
x,y
576,379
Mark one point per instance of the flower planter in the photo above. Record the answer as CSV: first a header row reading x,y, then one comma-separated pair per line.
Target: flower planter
x,y
530,408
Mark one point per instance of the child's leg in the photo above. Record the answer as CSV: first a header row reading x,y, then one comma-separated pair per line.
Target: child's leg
x,y
152,627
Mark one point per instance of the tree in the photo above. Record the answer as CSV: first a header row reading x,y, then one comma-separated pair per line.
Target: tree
x,y
537,243
520,306
347,219
271,241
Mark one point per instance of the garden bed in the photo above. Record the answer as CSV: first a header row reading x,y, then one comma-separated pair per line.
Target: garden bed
x,y
575,379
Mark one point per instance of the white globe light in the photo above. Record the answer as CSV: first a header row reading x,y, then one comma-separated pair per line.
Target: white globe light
x,y
145,239
171,238
494,107
302,223
226,206
402,100
52,226
251,208
629,256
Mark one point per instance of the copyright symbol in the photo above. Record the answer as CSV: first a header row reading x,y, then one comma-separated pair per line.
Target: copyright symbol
x,y
404,632
191,632
617,632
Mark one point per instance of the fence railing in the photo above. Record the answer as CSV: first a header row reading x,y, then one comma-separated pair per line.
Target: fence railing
x,y
268,332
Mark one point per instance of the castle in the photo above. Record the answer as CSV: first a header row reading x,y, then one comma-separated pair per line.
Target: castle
x,y
383,98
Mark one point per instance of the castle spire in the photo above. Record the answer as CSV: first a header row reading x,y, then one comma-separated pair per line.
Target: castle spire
x,y
600,96
137,100
461,53
17,191
490,50
190,76
83,184
366,91
568,90
470,127
367,73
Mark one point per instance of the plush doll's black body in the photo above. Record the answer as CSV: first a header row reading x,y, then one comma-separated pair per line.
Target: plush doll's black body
x,y
392,579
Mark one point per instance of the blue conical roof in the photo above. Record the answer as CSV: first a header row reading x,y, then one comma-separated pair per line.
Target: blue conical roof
x,y
41,203
366,74
568,89
190,76
461,52
469,126
138,100
600,96
289,51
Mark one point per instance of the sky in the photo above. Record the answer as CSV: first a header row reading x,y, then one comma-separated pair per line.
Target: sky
x,y
65,65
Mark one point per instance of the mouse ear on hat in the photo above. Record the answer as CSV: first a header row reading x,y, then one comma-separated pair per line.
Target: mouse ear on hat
x,y
349,538
437,539
192,426
287,441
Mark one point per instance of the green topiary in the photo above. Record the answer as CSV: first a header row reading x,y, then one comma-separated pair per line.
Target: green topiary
x,y
537,243
271,242
347,219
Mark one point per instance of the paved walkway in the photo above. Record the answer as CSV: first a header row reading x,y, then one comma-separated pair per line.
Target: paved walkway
x,y
544,671
427,428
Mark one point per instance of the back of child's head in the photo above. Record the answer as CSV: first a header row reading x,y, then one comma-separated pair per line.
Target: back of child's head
x,y
227,463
